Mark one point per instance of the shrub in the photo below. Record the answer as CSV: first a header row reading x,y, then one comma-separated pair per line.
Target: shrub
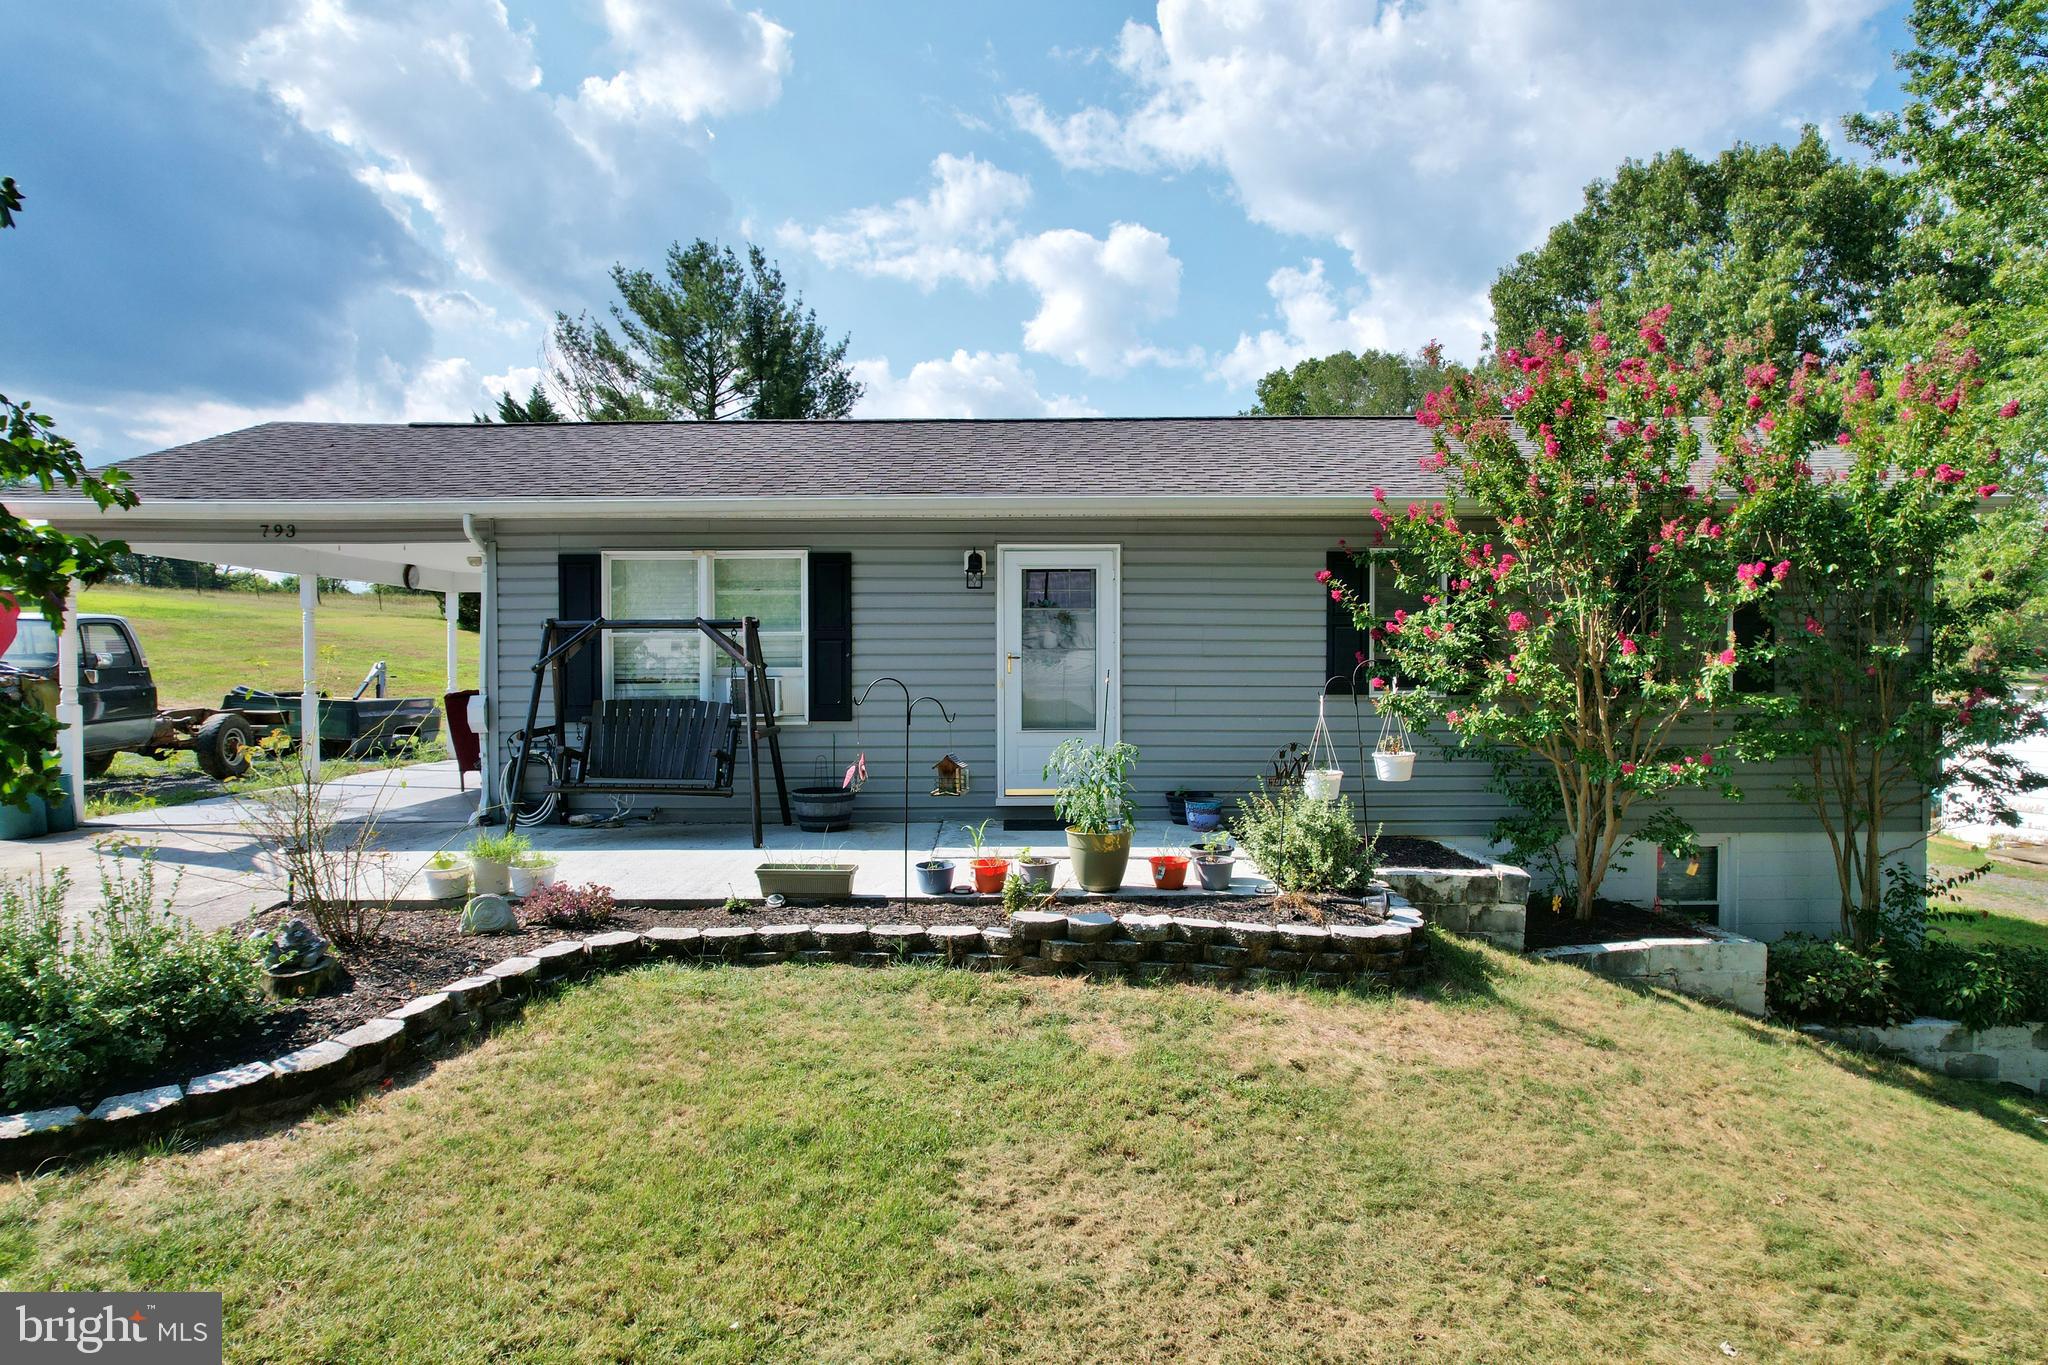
x,y
133,985
1016,894
1981,987
1827,981
1306,846
570,907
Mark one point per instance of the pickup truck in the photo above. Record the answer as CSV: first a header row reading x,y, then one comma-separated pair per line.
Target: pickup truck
x,y
119,697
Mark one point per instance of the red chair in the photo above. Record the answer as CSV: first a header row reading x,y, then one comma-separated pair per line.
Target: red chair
x,y
463,740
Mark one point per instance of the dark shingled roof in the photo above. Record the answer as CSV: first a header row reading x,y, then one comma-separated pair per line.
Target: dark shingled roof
x,y
1101,457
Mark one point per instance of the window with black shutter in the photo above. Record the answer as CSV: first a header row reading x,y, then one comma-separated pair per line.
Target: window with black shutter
x,y
581,598
831,635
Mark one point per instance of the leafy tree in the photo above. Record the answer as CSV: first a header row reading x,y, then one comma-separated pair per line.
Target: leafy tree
x,y
1972,140
538,407
1576,634
38,564
1885,688
715,337
1364,384
1786,241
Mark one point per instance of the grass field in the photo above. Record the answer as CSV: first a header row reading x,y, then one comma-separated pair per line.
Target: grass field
x,y
2008,904
202,645
913,1164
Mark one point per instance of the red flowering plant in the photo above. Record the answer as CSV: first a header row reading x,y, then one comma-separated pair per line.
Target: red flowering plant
x,y
1576,628
1894,664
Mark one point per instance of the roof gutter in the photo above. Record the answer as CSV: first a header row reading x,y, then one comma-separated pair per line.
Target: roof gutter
x,y
873,506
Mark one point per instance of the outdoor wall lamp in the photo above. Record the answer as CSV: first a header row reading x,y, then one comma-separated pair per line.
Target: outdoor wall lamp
x,y
977,565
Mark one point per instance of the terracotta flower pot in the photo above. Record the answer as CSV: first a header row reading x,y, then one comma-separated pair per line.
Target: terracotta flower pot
x,y
989,874
1169,871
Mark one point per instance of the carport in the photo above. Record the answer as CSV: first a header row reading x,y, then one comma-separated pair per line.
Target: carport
x,y
383,542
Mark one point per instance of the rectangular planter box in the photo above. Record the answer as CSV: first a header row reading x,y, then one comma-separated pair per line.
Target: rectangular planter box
x,y
808,881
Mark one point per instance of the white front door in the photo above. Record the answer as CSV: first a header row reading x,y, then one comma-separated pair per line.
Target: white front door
x,y
1057,664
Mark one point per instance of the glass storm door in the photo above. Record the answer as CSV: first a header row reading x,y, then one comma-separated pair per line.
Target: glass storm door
x,y
1057,668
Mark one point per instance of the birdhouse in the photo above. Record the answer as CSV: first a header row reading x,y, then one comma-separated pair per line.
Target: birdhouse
x,y
952,777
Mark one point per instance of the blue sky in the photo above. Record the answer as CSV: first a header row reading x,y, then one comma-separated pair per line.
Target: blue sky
x,y
349,210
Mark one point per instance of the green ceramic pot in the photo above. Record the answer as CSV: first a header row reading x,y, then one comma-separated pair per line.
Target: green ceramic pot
x,y
1099,859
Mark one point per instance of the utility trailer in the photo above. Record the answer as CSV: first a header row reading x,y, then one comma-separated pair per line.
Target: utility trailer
x,y
118,694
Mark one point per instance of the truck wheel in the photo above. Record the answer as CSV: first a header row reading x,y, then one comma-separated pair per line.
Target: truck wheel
x,y
96,765
222,746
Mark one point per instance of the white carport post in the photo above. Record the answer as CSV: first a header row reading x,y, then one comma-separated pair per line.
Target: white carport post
x,y
71,715
452,599
309,655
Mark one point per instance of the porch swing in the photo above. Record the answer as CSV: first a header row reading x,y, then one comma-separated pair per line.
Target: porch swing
x,y
654,746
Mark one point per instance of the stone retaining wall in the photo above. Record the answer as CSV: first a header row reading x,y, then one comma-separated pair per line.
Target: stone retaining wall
x,y
1490,902
1716,965
2016,1054
1143,948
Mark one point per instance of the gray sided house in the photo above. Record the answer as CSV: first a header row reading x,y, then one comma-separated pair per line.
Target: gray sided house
x,y
1148,580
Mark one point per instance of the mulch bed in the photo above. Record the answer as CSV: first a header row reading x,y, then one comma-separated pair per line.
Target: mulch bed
x,y
1407,851
420,951
1612,921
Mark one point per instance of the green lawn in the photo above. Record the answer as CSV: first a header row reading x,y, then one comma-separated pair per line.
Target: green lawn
x,y
201,645
822,1163
2008,904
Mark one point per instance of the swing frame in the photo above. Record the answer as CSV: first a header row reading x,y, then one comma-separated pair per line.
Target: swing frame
x,y
561,641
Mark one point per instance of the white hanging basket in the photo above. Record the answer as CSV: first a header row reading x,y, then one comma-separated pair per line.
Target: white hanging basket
x,y
1322,784
1394,767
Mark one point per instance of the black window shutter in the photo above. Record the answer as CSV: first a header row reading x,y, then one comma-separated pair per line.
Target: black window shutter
x,y
831,635
582,590
1343,641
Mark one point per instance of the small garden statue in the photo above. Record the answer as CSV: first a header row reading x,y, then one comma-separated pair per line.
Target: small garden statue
x,y
298,962
489,915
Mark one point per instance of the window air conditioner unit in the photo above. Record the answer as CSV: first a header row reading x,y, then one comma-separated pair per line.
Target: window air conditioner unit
x,y
738,694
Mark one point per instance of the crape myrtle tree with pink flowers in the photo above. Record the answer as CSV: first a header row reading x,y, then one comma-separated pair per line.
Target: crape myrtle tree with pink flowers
x,y
1894,668
1577,590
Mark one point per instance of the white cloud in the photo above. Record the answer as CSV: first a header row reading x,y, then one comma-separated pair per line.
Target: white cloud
x,y
442,103
689,59
1095,295
951,232
1314,321
1435,141
979,384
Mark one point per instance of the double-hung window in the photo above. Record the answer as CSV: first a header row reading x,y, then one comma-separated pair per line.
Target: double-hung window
x,y
770,584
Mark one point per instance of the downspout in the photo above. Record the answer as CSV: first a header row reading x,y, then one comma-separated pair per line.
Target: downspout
x,y
487,810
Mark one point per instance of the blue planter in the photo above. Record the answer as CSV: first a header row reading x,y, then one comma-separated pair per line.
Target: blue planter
x,y
16,823
1204,816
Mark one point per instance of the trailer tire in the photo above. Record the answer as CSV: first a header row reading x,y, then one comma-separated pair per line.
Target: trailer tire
x,y
96,765
222,746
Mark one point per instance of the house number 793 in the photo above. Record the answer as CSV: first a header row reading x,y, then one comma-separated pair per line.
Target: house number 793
x,y
280,530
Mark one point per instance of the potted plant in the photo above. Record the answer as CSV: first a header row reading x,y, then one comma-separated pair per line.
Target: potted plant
x,y
1215,844
935,877
490,862
1093,797
532,871
1035,869
1169,870
807,881
988,871
1177,802
1204,815
1392,759
447,876
1215,870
